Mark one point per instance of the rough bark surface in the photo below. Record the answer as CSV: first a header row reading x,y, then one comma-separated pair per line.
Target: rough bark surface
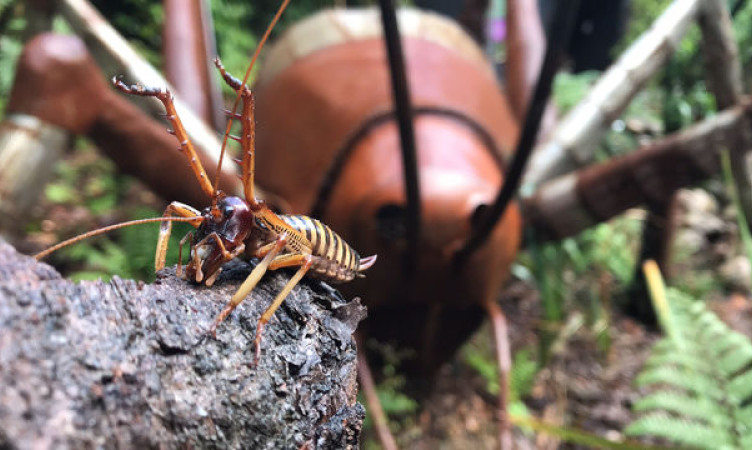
x,y
126,364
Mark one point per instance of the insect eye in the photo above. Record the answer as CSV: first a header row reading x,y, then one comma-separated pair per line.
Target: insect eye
x,y
228,210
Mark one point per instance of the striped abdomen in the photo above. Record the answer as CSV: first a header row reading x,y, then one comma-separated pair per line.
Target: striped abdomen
x,y
334,259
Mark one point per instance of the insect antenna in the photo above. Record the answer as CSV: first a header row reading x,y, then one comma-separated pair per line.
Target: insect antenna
x,y
237,98
98,231
404,113
559,37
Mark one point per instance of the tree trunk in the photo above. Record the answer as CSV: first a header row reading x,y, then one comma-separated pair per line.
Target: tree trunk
x,y
126,364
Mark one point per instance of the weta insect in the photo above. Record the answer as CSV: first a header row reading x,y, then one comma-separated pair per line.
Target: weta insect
x,y
234,227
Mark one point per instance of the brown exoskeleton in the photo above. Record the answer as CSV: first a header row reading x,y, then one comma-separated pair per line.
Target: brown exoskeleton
x,y
242,227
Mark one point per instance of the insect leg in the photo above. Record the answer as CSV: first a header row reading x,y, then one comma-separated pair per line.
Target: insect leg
x,y
248,133
186,146
226,256
252,280
186,238
231,81
305,262
173,209
248,186
293,260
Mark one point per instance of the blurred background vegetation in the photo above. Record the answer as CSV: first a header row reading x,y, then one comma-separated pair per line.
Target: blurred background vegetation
x,y
579,280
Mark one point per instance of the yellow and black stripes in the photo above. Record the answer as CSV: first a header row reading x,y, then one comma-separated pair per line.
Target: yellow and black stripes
x,y
325,243
332,258
296,241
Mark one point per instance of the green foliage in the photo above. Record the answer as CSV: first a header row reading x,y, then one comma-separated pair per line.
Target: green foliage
x,y
390,389
397,406
393,400
89,181
743,32
130,256
575,436
60,193
101,260
524,368
139,21
482,360
10,49
687,99
12,25
239,26
479,354
93,182
643,13
569,89
700,375
697,282
234,42
605,250
522,377
579,276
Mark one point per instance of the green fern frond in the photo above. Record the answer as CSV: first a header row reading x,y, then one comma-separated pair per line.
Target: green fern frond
x,y
679,403
679,430
745,417
736,357
663,354
677,377
741,386
701,378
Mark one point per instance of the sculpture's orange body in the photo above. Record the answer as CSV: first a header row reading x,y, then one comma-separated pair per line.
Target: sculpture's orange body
x,y
317,105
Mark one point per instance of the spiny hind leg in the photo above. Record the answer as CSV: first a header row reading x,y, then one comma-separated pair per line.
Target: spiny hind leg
x,y
305,262
231,81
174,209
186,146
248,132
271,251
